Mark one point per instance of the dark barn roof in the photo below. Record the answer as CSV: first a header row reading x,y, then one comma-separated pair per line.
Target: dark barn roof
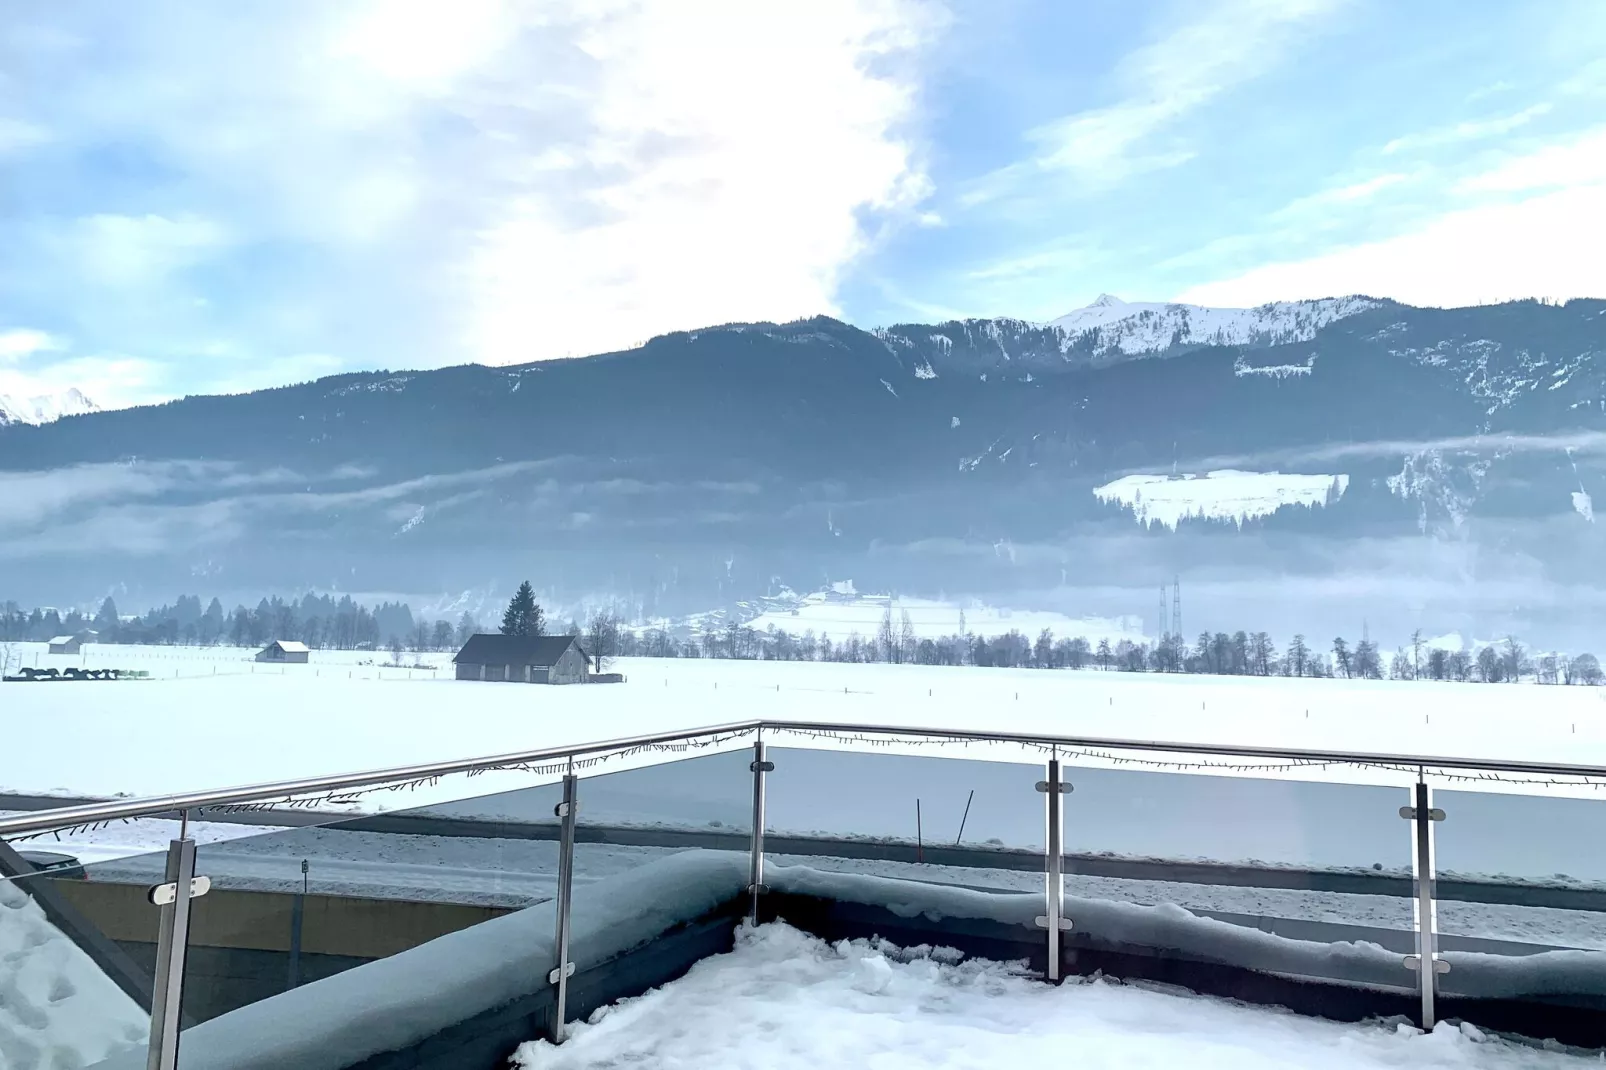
x,y
496,649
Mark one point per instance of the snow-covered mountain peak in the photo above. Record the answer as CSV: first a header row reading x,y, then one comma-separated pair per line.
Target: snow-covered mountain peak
x,y
1148,326
44,408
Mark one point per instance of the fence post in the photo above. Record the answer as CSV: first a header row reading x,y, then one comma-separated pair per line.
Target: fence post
x,y
174,897
1426,961
565,901
1054,919
755,874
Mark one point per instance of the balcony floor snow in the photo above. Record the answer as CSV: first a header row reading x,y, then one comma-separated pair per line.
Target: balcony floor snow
x,y
785,1000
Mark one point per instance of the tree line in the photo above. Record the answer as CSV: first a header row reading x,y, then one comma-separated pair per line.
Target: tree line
x,y
321,621
1240,653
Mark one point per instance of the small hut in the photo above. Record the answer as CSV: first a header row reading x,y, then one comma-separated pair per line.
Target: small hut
x,y
284,652
67,644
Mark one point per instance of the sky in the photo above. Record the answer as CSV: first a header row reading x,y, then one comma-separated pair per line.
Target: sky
x,y
218,198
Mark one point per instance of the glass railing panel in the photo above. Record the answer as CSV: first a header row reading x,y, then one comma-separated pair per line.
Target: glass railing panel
x,y
632,817
955,821
1315,865
1521,910
314,919
77,950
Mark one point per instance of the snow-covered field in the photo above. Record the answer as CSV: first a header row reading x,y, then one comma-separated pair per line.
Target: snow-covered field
x,y
783,999
189,662
202,730
1220,495
838,615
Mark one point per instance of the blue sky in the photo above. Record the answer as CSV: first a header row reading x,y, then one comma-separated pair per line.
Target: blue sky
x,y
237,196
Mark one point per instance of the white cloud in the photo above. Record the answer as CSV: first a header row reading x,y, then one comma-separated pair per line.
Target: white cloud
x,y
1581,161
19,342
729,150
490,180
1544,246
139,251
1339,197
16,134
1474,130
112,381
1230,43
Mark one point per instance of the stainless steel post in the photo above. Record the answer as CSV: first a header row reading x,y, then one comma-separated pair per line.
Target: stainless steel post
x,y
1054,919
173,935
564,969
1426,961
755,878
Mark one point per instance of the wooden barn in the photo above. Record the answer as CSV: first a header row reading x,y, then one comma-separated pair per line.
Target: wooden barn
x,y
67,644
523,659
284,652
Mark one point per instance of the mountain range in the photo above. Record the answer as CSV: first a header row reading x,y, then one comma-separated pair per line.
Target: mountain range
x,y
44,408
1320,466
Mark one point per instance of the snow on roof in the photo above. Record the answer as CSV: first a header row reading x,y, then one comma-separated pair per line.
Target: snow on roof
x,y
290,646
493,648
63,639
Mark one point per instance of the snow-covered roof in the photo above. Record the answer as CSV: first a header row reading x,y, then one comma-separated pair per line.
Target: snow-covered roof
x,y
64,639
289,646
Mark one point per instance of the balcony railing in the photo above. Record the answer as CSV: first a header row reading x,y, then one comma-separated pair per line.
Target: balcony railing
x,y
282,928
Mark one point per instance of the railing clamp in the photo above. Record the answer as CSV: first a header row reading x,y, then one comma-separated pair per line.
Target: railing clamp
x,y
1410,813
160,895
555,976
761,767
1414,962
1065,787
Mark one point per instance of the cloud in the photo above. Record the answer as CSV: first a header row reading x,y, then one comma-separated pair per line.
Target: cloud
x,y
1538,246
139,251
689,201
395,183
1575,163
19,342
1474,130
1230,43
110,380
1582,443
16,135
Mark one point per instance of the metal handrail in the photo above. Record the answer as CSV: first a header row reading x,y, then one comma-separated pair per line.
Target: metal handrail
x,y
119,809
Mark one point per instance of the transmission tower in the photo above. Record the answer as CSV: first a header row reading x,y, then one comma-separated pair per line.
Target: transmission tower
x,y
1176,607
1164,628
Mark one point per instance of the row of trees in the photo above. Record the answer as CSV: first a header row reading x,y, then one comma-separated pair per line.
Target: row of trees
x,y
1240,653
320,621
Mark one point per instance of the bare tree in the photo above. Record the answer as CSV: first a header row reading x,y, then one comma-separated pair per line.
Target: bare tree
x,y
887,639
906,637
602,639
1417,643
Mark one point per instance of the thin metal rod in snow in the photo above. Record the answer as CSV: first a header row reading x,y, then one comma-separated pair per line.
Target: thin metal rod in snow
x,y
920,837
960,838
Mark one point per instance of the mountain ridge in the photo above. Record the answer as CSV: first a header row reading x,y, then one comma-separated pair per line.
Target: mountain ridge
x,y
698,468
